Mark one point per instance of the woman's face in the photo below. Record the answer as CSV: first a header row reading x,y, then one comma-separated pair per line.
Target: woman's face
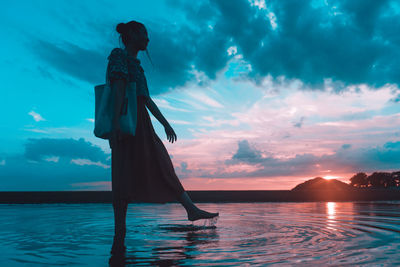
x,y
141,40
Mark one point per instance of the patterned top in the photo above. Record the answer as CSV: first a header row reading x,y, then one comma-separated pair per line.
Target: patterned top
x,y
123,66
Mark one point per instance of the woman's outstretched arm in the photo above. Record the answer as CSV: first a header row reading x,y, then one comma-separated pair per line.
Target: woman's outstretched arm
x,y
157,113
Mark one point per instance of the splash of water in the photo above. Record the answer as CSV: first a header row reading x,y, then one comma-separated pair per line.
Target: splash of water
x,y
206,223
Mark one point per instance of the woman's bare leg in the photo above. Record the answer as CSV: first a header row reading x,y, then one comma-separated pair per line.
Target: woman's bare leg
x,y
193,212
120,208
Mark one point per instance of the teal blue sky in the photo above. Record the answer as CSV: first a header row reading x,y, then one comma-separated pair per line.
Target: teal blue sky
x,y
262,94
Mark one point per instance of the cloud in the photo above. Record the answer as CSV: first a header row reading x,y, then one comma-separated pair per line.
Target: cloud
x,y
171,69
184,167
22,174
179,52
346,146
82,162
275,148
348,41
52,159
37,149
36,116
345,159
55,164
299,123
205,99
36,130
313,44
81,63
247,154
180,122
165,104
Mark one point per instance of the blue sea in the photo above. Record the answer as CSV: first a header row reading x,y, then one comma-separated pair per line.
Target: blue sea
x,y
246,234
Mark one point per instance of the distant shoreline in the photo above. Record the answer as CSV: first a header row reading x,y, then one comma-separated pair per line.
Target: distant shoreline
x,y
31,197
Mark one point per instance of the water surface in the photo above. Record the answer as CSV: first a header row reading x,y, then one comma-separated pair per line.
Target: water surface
x,y
323,233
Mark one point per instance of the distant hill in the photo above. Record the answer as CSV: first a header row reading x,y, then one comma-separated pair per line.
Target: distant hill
x,y
319,183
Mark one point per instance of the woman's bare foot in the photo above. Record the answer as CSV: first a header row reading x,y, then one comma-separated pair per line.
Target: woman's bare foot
x,y
201,214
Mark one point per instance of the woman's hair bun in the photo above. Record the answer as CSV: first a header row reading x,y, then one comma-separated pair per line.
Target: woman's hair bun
x,y
121,28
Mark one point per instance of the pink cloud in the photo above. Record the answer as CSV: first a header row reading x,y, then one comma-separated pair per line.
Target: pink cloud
x,y
291,127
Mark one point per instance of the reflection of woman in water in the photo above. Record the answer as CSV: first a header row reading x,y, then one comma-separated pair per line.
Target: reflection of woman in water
x,y
141,167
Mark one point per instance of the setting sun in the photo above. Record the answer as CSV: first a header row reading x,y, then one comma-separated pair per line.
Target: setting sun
x,y
329,177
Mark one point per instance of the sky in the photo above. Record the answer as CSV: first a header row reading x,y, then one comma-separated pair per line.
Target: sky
x,y
262,95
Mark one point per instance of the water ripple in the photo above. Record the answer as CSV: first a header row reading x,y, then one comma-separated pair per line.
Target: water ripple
x,y
328,234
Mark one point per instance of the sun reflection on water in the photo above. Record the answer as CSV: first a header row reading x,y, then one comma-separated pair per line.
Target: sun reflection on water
x,y
331,215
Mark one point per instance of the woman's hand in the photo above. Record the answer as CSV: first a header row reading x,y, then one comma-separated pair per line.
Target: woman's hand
x,y
171,136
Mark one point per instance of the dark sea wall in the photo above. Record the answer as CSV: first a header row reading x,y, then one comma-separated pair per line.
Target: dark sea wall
x,y
208,196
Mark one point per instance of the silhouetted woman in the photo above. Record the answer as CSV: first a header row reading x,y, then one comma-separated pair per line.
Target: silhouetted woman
x,y
141,167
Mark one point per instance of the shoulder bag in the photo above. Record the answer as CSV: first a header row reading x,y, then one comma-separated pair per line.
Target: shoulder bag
x,y
104,109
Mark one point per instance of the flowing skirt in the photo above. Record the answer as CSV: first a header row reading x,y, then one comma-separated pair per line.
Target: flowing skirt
x,y
141,168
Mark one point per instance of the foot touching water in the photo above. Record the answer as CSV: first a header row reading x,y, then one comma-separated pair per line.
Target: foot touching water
x,y
201,214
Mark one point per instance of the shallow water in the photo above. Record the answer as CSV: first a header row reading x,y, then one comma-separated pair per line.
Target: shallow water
x,y
321,233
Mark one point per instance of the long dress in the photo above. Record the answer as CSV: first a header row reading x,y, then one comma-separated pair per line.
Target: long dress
x,y
142,170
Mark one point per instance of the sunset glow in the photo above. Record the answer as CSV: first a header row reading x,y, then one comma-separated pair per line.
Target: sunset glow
x,y
329,177
283,93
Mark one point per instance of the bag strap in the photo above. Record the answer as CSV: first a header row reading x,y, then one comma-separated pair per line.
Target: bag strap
x,y
124,107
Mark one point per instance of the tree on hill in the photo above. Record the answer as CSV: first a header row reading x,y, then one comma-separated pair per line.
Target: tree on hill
x,y
380,180
396,178
359,180
376,180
